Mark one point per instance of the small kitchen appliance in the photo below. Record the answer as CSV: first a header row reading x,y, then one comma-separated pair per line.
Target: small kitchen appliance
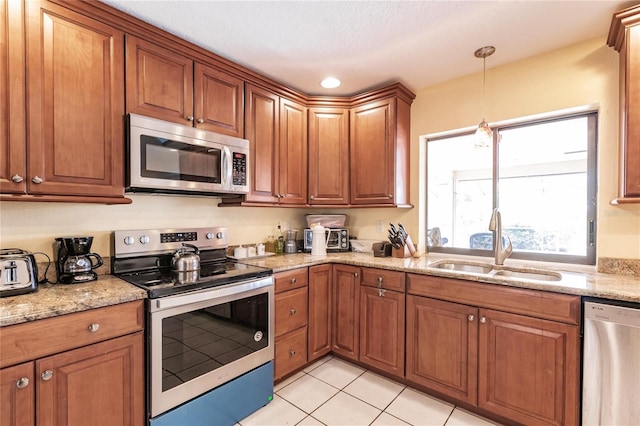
x,y
18,272
336,240
75,263
210,329
290,245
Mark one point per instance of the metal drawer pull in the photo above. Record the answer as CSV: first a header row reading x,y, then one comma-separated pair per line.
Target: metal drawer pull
x,y
22,383
355,274
381,292
37,179
200,120
293,311
471,318
380,280
483,320
94,327
47,375
16,178
292,353
190,117
293,280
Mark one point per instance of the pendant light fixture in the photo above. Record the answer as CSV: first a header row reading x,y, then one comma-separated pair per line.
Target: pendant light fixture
x,y
484,134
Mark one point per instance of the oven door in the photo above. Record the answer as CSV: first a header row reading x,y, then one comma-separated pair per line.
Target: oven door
x,y
202,339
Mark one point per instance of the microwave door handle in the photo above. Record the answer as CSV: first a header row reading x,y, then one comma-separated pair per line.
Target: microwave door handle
x,y
226,167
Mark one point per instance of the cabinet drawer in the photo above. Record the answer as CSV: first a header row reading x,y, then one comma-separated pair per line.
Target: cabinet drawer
x,y
534,303
291,352
289,280
31,340
291,310
391,280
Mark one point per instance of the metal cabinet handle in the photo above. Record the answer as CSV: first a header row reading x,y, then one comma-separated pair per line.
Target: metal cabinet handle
x,y
190,117
312,197
390,196
22,383
200,120
471,318
381,292
355,274
47,375
293,311
93,327
37,179
380,280
293,280
282,196
17,178
292,353
483,320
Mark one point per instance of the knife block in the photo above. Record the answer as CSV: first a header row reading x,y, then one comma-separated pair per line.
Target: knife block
x,y
402,252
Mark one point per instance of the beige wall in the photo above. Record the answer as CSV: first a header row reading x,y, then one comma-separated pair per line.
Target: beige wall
x,y
584,74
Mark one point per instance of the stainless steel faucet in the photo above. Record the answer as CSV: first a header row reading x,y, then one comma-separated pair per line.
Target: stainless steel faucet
x,y
501,252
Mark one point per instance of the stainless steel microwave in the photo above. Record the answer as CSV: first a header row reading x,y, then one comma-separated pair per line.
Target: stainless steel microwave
x,y
165,157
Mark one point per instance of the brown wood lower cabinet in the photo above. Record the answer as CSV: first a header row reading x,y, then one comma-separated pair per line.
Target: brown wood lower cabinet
x,y
442,344
525,349
382,320
346,304
77,369
320,311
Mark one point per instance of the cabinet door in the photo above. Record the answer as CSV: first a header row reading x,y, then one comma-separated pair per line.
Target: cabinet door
x,y
382,329
159,82
328,156
75,104
346,298
100,384
293,153
13,151
442,341
320,302
261,128
631,113
528,369
17,395
373,153
219,101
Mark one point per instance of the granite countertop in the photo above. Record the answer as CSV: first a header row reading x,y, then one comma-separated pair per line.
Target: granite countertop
x,y
576,279
57,299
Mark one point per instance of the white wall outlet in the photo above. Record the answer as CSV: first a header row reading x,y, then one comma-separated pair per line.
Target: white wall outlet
x,y
379,226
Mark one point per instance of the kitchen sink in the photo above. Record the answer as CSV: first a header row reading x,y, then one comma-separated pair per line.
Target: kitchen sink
x,y
463,266
529,274
487,269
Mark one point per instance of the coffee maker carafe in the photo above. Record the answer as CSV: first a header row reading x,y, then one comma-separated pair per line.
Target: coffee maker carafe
x,y
75,263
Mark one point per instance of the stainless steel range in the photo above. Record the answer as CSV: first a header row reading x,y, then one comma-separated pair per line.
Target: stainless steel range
x,y
209,324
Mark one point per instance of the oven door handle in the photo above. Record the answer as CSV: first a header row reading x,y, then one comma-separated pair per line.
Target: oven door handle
x,y
203,297
226,167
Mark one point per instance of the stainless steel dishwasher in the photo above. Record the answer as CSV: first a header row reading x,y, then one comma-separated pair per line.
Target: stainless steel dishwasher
x,y
611,364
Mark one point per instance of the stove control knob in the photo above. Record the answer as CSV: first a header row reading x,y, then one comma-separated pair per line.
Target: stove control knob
x,y
129,240
209,235
219,235
144,239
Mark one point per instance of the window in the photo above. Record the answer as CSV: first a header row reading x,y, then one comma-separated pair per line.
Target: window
x,y
540,174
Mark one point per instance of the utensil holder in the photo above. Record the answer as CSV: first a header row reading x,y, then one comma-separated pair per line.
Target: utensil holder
x,y
401,252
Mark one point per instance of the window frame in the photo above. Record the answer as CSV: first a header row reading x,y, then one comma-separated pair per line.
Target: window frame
x,y
592,187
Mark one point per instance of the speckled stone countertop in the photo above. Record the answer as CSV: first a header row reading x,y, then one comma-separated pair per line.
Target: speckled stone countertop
x,y
57,299
576,279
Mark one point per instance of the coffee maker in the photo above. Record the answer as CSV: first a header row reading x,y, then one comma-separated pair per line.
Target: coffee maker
x,y
74,263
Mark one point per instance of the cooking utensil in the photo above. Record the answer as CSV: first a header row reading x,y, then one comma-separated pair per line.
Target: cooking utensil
x,y
184,260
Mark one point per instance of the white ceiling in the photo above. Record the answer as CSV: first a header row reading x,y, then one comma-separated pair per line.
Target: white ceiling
x,y
369,43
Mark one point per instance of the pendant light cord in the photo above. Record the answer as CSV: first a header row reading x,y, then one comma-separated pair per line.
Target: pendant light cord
x,y
484,83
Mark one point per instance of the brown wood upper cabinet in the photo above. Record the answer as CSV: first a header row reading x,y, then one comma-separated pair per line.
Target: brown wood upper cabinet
x,y
170,86
379,151
624,36
277,130
72,147
328,156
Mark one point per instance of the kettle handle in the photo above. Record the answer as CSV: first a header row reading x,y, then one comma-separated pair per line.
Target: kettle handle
x,y
195,249
97,258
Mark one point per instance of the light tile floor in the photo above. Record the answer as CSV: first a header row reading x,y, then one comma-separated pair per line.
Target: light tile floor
x,y
334,392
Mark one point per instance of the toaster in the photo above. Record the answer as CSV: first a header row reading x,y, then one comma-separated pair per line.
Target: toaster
x,y
18,272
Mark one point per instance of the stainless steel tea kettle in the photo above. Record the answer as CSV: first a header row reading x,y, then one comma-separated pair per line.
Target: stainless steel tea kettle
x,y
186,258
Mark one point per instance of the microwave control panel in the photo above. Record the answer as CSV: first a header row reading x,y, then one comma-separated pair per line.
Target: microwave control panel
x,y
239,169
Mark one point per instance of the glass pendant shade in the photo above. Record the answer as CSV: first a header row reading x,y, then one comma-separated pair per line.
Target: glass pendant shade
x,y
484,135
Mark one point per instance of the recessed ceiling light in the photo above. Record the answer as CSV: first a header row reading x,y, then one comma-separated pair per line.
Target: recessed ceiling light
x,y
330,83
